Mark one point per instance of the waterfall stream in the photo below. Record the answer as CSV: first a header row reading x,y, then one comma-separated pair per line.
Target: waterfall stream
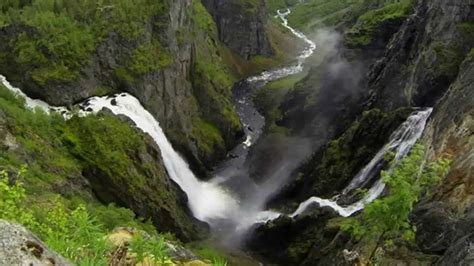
x,y
209,201
214,200
400,143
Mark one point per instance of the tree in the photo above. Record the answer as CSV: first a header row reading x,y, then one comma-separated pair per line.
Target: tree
x,y
387,217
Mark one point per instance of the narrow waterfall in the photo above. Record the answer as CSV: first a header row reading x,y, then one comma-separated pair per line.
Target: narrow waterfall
x,y
400,143
32,103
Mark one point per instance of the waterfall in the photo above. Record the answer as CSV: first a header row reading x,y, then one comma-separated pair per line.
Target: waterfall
x,y
207,201
400,143
32,103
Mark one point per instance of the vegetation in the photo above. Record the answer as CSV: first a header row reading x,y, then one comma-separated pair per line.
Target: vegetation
x,y
387,218
49,197
369,23
345,156
212,84
311,14
56,38
274,5
76,235
269,98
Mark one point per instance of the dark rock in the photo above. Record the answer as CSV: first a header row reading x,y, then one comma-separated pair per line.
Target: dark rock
x,y
423,58
436,227
304,240
460,253
168,94
241,26
113,102
158,198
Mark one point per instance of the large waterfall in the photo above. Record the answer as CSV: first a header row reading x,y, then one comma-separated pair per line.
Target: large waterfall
x,y
211,201
400,143
207,201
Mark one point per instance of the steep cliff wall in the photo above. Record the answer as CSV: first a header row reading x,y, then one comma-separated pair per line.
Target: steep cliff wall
x,y
152,54
241,25
427,61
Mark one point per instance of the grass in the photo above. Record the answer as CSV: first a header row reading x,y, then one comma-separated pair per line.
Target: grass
x,y
305,14
367,26
59,37
74,233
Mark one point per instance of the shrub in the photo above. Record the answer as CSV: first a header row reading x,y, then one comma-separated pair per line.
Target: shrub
x,y
76,235
387,217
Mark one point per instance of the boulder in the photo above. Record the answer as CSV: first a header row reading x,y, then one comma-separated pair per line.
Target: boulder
x,y
18,246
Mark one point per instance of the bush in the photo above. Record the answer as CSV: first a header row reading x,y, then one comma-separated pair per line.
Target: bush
x,y
387,217
62,35
367,26
76,235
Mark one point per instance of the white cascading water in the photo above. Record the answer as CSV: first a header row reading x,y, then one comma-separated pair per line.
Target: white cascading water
x,y
401,142
291,70
31,103
207,201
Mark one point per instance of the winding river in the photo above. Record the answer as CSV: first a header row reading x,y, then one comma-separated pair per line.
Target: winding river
x,y
228,202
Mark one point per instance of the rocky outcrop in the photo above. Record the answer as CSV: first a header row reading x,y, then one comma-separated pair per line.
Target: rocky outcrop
x,y
445,220
241,26
18,246
423,57
169,92
305,240
422,66
96,165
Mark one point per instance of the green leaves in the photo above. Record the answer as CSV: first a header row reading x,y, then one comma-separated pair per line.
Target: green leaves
x,y
389,215
149,248
63,35
76,235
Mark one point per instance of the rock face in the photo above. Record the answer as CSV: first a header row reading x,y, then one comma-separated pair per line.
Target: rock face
x,y
423,57
135,178
445,220
304,240
169,93
427,62
18,246
241,25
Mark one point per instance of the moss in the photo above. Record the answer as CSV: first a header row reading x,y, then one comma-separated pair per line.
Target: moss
x,y
345,156
201,18
369,23
269,98
55,41
208,136
305,15
147,58
449,58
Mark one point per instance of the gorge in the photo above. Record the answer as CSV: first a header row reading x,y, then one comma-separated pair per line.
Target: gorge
x,y
253,129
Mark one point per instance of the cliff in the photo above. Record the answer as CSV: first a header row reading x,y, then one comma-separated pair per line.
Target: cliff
x,y
424,59
155,58
241,26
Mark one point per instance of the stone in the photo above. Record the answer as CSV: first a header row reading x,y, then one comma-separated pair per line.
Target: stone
x,y
240,27
18,246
